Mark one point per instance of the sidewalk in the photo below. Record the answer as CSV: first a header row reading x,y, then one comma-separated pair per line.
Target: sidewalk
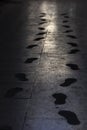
x,y
43,65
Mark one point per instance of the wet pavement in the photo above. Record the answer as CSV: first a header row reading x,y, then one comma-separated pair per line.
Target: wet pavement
x,y
43,64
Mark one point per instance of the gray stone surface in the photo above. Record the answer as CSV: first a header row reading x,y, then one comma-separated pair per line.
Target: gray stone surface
x,y
29,77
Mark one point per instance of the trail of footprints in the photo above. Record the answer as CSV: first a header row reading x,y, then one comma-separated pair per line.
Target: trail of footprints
x,y
12,92
61,98
22,76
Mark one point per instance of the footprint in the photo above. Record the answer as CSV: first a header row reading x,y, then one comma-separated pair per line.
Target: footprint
x,y
71,117
12,92
72,36
42,33
60,98
43,13
44,20
42,16
64,14
21,76
41,28
73,66
65,21
66,26
66,17
68,82
72,44
74,51
31,46
68,31
30,60
39,38
42,23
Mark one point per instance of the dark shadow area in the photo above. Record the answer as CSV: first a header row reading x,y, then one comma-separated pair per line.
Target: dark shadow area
x,y
10,2
6,127
12,92
21,76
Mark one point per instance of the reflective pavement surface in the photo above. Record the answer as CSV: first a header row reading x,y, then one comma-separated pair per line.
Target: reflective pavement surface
x,y
43,65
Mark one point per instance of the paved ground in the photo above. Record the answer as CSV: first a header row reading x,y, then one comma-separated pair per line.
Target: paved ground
x,y
43,65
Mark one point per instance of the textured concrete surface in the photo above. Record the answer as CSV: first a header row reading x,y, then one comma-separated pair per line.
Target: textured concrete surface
x,y
43,65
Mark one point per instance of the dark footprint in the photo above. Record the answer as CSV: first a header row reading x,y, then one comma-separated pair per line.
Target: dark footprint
x,y
30,60
12,92
5,128
68,82
44,20
38,39
21,76
42,33
66,17
60,98
68,31
74,51
65,21
66,26
72,44
70,117
43,13
72,36
73,66
42,23
31,46
41,28
64,14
